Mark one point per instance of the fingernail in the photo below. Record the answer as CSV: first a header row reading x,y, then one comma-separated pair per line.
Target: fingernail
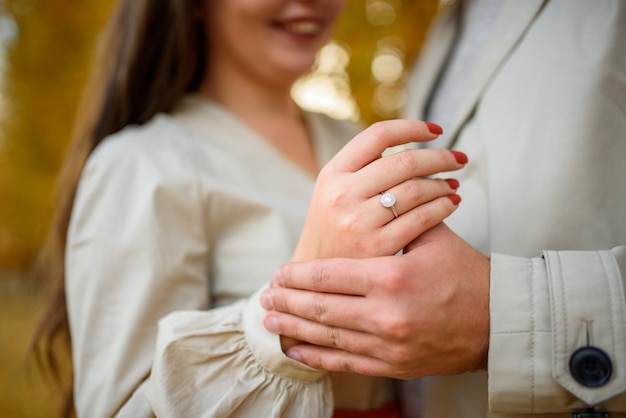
x,y
266,300
277,278
271,324
294,355
434,128
453,183
455,198
460,157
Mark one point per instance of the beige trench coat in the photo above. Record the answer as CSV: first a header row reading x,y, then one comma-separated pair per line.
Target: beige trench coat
x,y
543,121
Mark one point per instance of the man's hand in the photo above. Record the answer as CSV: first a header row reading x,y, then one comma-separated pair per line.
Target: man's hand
x,y
423,313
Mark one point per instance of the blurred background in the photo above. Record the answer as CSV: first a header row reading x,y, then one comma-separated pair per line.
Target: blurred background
x,y
45,49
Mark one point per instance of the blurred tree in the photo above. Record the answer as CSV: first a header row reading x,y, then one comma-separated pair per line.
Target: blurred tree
x,y
368,27
46,62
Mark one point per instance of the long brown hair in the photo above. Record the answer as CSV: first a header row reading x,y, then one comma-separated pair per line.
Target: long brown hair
x,y
150,54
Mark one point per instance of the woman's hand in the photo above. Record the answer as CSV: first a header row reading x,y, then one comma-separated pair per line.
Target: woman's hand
x,y
346,217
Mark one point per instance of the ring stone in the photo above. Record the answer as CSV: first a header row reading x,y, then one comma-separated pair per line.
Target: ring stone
x,y
387,200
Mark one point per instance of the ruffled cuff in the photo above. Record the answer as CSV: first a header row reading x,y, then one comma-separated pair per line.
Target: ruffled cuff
x,y
265,346
223,362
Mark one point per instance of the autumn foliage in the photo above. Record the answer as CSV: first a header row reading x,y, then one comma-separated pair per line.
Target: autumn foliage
x,y
47,48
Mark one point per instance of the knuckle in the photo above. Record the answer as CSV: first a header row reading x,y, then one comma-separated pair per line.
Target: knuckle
x,y
319,277
401,355
291,329
393,282
347,366
314,361
415,189
280,303
320,309
424,217
348,223
400,329
378,130
337,198
406,160
446,157
333,337
398,326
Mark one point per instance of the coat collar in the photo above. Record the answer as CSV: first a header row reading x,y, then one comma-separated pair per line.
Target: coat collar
x,y
514,19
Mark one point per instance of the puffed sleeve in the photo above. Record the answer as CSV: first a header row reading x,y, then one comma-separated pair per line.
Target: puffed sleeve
x,y
136,251
223,363
542,311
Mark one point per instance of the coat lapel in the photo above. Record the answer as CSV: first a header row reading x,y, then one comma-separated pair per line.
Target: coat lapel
x,y
434,54
501,43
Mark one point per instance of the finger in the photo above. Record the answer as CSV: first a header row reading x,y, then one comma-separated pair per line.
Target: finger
x,y
409,195
410,225
401,231
335,360
338,275
337,321
300,329
368,145
344,311
387,172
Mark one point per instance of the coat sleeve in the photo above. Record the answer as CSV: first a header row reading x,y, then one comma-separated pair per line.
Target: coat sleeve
x,y
543,310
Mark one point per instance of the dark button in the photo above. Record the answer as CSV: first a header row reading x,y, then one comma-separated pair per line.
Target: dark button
x,y
590,366
591,413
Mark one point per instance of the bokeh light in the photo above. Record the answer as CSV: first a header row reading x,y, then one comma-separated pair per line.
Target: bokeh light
x,y
327,88
381,12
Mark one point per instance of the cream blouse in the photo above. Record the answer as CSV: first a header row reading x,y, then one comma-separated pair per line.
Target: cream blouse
x,y
175,225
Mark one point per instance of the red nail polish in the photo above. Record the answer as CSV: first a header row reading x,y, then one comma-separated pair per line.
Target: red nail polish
x,y
455,198
460,157
434,128
453,183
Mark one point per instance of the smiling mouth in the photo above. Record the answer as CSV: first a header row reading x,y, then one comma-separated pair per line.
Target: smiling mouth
x,y
302,27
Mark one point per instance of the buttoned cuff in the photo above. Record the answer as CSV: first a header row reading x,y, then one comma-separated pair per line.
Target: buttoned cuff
x,y
540,312
588,313
520,347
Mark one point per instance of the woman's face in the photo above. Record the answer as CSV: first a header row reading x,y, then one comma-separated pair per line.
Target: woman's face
x,y
276,40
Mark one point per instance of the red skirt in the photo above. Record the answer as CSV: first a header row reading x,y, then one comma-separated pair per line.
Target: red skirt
x,y
388,410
